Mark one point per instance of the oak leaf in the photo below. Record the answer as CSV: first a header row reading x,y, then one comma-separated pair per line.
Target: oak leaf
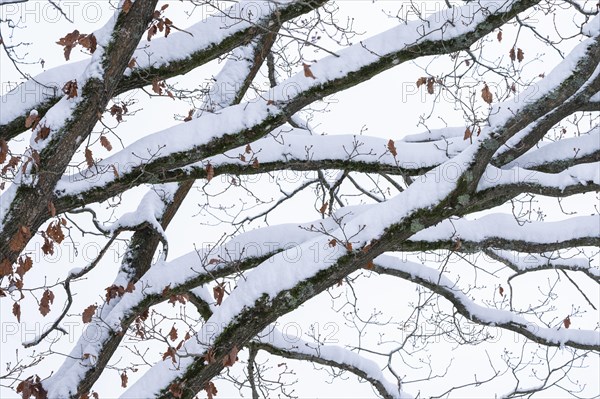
x,y
307,72
16,310
219,293
173,333
47,300
211,390
89,158
210,172
105,143
3,151
486,94
88,313
392,148
124,380
230,359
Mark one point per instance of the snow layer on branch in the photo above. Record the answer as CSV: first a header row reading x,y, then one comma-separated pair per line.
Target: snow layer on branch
x,y
273,336
489,316
159,52
526,262
575,175
505,226
564,149
150,210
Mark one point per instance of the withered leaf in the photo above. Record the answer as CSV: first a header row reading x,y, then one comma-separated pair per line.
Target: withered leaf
x,y
151,32
467,134
520,55
89,158
430,83
132,63
332,242
499,36
105,143
54,231
567,322
124,380
219,293
69,41
248,149
392,148
210,172
3,151
89,42
171,352
307,72
17,311
511,54
70,89
88,313
486,94
47,300
42,133
156,86
421,81
255,163
230,359
501,290
211,390
25,264
173,333
323,208
32,120
189,116
370,265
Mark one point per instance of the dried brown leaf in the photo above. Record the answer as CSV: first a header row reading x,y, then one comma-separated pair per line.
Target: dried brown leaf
x,y
219,293
230,359
17,311
307,72
392,148
88,313
124,380
3,151
210,172
105,143
323,208
486,94
89,158
211,390
47,300
467,134
173,333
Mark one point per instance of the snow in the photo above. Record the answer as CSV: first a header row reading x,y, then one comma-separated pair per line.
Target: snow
x,y
564,149
505,226
526,262
484,314
160,51
274,337
573,176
